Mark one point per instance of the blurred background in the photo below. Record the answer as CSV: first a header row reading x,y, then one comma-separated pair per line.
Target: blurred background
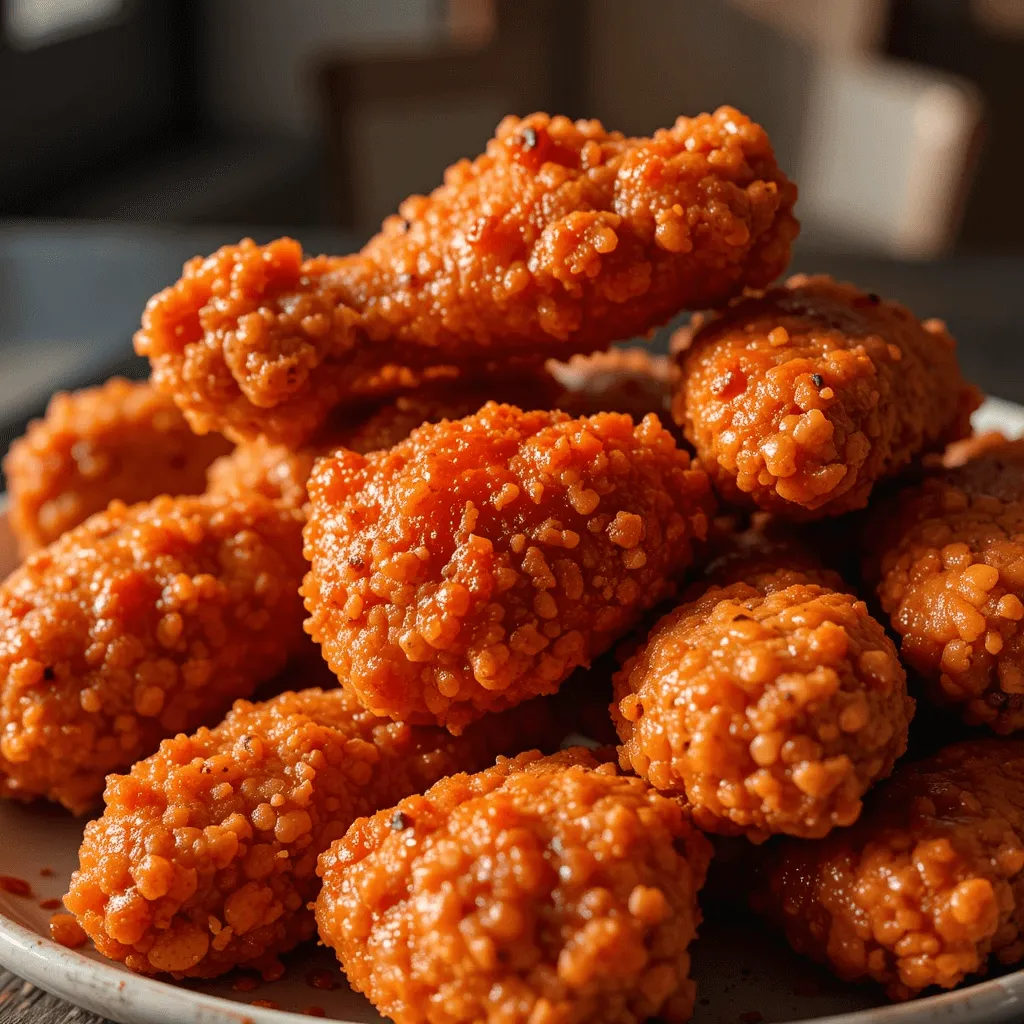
x,y
137,133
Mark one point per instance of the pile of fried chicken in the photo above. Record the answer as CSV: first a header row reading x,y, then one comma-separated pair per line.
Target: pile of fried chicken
x,y
314,609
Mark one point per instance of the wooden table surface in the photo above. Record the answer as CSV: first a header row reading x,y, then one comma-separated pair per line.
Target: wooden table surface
x,y
108,271
22,1003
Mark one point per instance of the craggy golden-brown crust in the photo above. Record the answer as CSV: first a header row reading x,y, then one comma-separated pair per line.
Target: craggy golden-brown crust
x,y
205,857
119,440
947,555
479,562
630,381
561,238
450,400
770,706
281,473
926,887
800,399
144,621
539,890
275,471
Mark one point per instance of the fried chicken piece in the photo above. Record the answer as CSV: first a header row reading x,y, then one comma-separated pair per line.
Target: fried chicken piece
x,y
926,888
539,890
560,238
274,471
771,702
144,621
947,555
120,440
629,381
281,473
205,856
479,562
622,380
800,399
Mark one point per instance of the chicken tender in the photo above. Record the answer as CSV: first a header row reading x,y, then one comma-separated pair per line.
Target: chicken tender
x,y
120,440
539,890
926,889
282,473
770,704
144,621
561,238
479,562
630,381
948,558
205,856
800,399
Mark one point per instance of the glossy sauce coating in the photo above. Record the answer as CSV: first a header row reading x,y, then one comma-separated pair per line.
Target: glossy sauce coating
x,y
144,621
205,856
770,705
119,440
479,562
799,400
947,555
926,888
560,238
539,890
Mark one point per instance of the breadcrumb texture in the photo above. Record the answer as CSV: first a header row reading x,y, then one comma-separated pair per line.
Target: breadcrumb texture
x,y
948,558
539,890
282,473
274,471
119,440
770,706
144,621
800,399
205,856
630,381
562,237
926,889
479,562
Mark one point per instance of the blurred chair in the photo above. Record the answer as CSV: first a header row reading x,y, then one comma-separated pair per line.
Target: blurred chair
x,y
888,154
394,121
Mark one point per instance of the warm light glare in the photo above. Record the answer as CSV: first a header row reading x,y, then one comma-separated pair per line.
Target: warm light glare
x,y
32,23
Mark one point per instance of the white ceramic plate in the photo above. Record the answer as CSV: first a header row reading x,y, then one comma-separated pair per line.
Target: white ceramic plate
x,y
743,973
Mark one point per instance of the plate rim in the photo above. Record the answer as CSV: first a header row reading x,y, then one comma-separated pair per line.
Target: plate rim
x,y
115,992
119,993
